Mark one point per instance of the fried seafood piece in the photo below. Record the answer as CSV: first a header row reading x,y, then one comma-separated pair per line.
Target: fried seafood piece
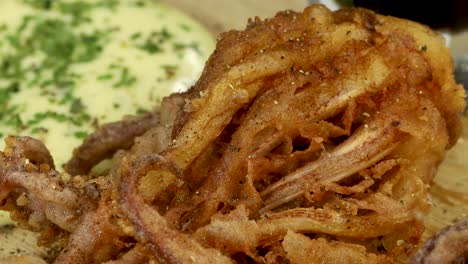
x,y
76,218
314,117
66,212
35,193
315,132
289,90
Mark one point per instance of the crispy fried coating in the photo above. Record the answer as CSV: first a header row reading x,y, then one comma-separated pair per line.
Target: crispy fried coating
x,y
309,137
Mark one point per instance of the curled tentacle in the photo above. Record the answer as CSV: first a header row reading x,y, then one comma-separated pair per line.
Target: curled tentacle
x,y
168,244
108,139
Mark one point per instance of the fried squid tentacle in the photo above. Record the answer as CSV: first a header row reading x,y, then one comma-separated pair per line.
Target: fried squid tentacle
x,y
85,246
168,244
108,139
26,165
28,148
37,196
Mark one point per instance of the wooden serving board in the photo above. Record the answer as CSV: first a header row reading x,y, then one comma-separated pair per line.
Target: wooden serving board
x,y
450,188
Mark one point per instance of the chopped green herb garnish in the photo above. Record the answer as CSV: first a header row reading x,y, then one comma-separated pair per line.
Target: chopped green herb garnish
x,y
165,34
3,27
185,27
15,121
113,66
41,4
126,79
38,130
104,77
9,113
111,4
179,47
140,3
140,111
6,93
135,36
76,119
55,38
80,10
80,134
67,97
77,106
154,42
13,40
151,46
91,46
38,117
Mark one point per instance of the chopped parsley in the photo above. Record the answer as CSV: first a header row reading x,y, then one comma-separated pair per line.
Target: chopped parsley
x,y
140,111
91,46
76,106
135,36
139,3
126,79
185,27
78,10
14,120
104,77
151,46
3,27
9,113
41,4
181,47
80,134
6,93
38,130
59,117
155,41
110,4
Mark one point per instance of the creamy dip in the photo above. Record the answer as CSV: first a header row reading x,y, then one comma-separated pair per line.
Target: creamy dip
x,y
68,66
